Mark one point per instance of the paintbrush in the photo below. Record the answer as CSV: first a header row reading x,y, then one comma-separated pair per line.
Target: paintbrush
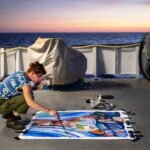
x,y
62,125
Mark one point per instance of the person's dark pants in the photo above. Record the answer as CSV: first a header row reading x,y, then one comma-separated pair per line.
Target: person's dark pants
x,y
17,104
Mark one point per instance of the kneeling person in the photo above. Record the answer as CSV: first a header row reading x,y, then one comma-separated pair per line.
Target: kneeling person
x,y
16,95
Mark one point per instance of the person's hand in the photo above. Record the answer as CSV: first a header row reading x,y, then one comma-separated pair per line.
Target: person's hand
x,y
45,82
54,113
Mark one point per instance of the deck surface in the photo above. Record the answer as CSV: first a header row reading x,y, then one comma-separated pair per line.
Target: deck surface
x,y
130,94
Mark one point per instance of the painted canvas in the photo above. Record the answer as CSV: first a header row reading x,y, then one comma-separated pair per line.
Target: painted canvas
x,y
87,124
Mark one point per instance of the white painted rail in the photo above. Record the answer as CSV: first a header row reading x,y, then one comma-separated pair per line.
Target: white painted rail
x,y
105,59
101,59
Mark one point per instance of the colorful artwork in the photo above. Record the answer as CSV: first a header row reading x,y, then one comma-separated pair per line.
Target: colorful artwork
x,y
85,124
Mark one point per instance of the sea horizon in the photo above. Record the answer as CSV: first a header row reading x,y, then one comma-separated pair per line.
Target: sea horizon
x,y
78,32
71,38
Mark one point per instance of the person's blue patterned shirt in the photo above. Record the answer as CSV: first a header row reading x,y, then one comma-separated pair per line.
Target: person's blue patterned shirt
x,y
9,86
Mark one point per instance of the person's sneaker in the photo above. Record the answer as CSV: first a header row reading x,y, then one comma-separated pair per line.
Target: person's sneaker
x,y
13,125
11,116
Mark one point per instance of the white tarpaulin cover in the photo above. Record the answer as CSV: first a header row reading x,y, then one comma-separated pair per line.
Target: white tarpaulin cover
x,y
63,64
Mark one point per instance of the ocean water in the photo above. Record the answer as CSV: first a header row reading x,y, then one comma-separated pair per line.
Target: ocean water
x,y
72,39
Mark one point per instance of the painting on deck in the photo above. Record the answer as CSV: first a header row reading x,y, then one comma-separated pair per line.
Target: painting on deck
x,y
82,124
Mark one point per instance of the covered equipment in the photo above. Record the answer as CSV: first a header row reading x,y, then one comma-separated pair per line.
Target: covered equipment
x,y
63,64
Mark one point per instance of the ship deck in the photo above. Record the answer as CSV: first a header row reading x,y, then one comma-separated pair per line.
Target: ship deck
x,y
130,94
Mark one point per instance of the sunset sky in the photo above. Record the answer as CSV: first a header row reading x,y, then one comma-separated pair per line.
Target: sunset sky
x,y
74,15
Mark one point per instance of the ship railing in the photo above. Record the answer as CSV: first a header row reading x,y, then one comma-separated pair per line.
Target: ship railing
x,y
101,59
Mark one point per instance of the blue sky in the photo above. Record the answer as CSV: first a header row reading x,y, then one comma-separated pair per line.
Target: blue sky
x,y
74,16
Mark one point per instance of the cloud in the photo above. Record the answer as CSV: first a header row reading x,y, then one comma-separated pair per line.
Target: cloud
x,y
146,2
140,2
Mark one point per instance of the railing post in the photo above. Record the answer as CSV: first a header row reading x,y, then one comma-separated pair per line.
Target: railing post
x,y
95,71
137,62
2,63
117,60
18,61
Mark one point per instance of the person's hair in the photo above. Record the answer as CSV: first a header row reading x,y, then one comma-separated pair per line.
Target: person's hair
x,y
37,68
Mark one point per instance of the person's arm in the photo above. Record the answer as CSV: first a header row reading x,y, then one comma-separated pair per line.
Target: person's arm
x,y
35,105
